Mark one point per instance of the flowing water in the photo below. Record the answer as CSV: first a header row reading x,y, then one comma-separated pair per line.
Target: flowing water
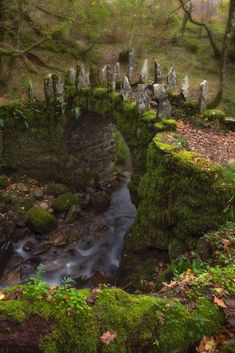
x,y
92,259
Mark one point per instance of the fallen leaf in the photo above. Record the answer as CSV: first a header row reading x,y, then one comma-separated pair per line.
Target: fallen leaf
x,y
108,337
2,295
219,302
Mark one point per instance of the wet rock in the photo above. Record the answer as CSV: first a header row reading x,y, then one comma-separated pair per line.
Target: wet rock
x,y
100,200
64,202
21,219
57,238
73,214
38,194
84,199
4,182
6,250
41,221
28,246
57,189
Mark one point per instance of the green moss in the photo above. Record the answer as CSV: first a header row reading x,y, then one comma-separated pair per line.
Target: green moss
x,y
152,324
65,201
57,189
149,116
166,125
100,92
41,221
213,115
4,182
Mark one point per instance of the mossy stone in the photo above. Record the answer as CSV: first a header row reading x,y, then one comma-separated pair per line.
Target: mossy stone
x,y
57,189
4,182
73,214
41,221
166,125
213,115
65,201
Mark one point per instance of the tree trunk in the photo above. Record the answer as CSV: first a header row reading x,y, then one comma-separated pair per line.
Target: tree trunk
x,y
224,54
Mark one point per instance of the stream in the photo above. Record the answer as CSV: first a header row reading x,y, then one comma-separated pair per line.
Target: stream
x,y
90,260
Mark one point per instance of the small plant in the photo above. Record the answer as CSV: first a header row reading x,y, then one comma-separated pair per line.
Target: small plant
x,y
77,112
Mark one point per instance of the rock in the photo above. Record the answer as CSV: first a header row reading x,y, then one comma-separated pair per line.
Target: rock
x,y
73,214
117,71
126,89
48,88
84,199
230,123
6,250
108,76
142,99
65,201
204,248
204,90
4,182
100,200
144,72
185,88
164,108
44,205
131,64
57,238
158,73
58,86
95,80
41,221
83,77
28,246
57,189
38,194
31,94
171,78
21,219
70,78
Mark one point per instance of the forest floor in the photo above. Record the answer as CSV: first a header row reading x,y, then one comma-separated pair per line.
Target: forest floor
x,y
216,145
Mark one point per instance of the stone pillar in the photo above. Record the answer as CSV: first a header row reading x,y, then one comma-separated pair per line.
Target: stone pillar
x,y
185,88
104,74
171,78
142,98
164,108
158,73
70,78
126,89
144,71
82,78
204,90
117,71
31,94
95,80
108,77
48,88
131,64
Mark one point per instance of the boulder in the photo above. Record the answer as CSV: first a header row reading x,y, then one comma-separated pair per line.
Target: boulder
x,y
4,182
57,189
100,200
38,194
73,214
64,202
41,221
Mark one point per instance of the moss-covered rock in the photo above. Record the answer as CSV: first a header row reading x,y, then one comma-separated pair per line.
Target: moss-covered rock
x,y
149,116
65,201
166,125
152,324
41,221
57,189
214,115
4,182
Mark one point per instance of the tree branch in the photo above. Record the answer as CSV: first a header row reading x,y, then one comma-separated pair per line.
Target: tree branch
x,y
203,25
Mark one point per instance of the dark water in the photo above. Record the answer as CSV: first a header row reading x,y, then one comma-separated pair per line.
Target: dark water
x,y
94,258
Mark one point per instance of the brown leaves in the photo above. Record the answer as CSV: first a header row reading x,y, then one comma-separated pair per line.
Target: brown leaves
x,y
219,302
108,337
93,297
207,345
